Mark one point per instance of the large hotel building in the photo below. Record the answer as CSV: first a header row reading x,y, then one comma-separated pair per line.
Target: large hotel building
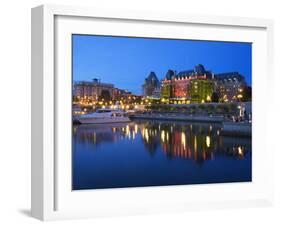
x,y
197,85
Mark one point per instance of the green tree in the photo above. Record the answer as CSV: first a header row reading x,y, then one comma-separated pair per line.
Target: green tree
x,y
215,97
247,94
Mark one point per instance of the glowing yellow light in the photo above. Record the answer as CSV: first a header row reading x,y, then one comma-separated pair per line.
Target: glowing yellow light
x,y
146,135
163,136
103,106
202,101
208,98
183,138
240,151
136,107
128,132
195,143
208,141
136,128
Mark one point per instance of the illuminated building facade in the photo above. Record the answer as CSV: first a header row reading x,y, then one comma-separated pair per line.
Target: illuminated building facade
x,y
199,85
178,85
230,86
93,90
201,90
166,84
120,93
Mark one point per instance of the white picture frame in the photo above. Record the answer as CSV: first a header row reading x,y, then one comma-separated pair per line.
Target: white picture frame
x,y
51,196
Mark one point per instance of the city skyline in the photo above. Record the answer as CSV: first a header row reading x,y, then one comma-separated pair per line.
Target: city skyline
x,y
126,62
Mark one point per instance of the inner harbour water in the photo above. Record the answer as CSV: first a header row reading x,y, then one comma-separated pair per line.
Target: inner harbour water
x,y
156,153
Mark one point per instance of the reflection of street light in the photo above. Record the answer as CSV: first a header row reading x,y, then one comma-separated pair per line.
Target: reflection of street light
x,y
208,141
240,151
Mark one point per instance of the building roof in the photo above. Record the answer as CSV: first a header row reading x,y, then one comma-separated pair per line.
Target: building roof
x,y
229,76
198,70
170,73
185,73
152,77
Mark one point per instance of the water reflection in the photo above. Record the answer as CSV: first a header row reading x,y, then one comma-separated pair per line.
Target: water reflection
x,y
199,142
147,153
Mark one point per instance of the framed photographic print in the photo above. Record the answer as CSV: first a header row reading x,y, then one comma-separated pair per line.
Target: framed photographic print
x,y
137,112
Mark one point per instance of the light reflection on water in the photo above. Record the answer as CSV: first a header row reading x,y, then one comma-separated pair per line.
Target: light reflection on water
x,y
149,153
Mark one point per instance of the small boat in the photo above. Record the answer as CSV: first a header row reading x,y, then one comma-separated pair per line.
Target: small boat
x,y
104,116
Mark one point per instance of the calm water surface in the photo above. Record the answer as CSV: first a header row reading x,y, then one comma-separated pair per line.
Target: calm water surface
x,y
149,153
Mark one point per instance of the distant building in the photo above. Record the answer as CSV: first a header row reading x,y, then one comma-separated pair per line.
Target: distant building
x,y
120,93
151,85
93,90
230,86
83,89
177,85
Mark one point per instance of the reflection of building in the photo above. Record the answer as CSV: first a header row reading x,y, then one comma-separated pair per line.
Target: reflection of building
x,y
198,142
151,85
230,86
93,90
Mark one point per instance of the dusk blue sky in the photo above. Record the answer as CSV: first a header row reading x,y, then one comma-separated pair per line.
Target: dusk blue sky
x,y
126,62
